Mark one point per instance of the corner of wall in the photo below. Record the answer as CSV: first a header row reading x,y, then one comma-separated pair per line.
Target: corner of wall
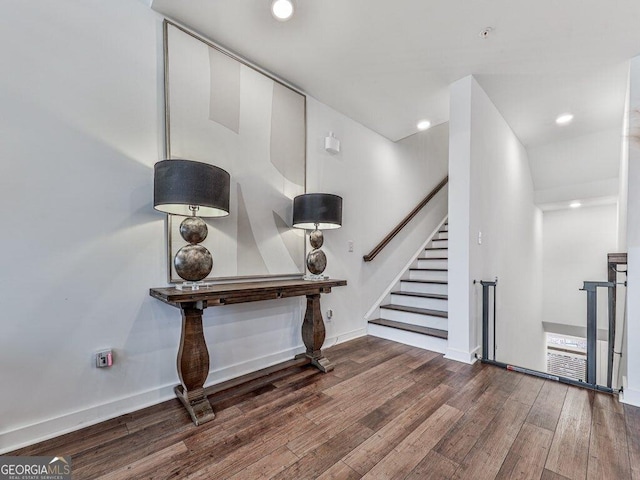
x,y
630,397
632,392
468,357
460,314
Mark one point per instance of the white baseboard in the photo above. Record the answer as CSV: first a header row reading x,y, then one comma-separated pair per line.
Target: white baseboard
x,y
345,337
70,422
462,355
37,432
630,396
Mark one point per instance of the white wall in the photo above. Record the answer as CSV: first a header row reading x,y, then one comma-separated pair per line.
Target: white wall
x,y
380,182
574,161
576,244
632,390
82,122
583,168
490,173
623,180
622,204
80,127
462,341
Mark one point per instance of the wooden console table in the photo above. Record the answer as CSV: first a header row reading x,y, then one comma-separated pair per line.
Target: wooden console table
x,y
193,356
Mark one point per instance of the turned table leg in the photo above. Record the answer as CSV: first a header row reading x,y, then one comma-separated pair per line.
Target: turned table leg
x,y
193,365
313,334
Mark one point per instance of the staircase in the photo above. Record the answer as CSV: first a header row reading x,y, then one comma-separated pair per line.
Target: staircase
x,y
417,311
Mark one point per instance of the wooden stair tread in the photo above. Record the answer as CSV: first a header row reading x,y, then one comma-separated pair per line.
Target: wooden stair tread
x,y
436,248
439,282
420,311
430,269
433,258
432,332
422,295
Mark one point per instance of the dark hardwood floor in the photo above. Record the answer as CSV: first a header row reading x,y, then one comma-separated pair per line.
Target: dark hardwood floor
x,y
387,411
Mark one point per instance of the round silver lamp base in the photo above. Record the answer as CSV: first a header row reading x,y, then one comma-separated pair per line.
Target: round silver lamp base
x,y
193,262
193,230
316,261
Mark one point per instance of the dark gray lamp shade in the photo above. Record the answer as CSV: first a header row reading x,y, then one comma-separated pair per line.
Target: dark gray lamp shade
x,y
179,184
321,209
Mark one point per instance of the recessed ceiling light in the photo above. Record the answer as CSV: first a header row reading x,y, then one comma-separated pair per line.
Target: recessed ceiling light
x,y
575,204
423,124
282,10
564,118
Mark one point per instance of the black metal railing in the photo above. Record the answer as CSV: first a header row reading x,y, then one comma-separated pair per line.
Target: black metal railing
x,y
592,328
592,337
486,286
614,261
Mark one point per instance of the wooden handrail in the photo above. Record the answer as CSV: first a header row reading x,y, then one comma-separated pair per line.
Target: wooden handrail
x,y
385,241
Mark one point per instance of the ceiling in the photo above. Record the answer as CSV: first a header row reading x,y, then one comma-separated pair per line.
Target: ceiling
x,y
389,64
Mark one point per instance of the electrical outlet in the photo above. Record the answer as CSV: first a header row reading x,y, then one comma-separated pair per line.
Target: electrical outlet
x,y
350,245
104,359
329,315
479,238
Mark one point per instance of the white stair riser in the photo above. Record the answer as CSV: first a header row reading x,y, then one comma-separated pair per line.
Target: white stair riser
x,y
442,235
440,275
444,227
437,288
414,318
440,243
433,263
408,338
435,253
420,302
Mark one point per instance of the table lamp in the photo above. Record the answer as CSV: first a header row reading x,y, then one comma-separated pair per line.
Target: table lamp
x,y
191,189
317,211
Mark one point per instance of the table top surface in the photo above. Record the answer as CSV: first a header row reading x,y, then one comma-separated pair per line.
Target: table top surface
x,y
240,292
